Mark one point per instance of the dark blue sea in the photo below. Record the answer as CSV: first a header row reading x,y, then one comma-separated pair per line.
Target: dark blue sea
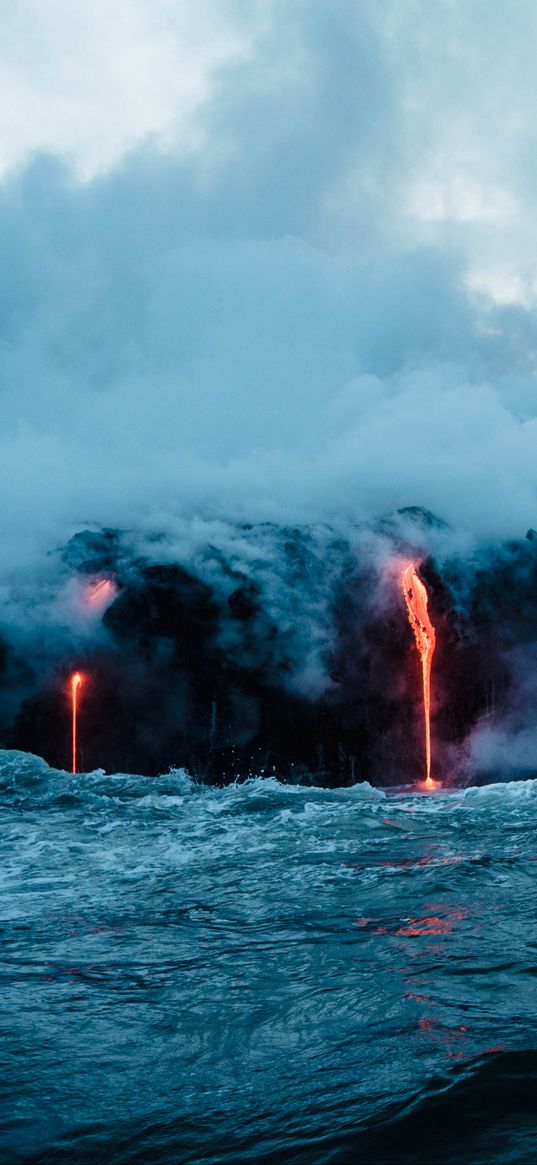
x,y
265,973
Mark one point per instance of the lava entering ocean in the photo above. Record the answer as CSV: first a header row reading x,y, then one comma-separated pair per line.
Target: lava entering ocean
x,y
416,599
274,653
76,680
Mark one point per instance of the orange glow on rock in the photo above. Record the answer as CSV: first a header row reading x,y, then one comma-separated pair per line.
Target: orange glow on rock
x,y
416,598
99,593
76,680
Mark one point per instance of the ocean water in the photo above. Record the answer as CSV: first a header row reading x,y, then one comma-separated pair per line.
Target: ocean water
x,y
265,973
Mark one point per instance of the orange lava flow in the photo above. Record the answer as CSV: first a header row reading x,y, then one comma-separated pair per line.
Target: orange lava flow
x,y
415,595
76,680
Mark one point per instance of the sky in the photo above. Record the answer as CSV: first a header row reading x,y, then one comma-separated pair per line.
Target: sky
x,y
266,260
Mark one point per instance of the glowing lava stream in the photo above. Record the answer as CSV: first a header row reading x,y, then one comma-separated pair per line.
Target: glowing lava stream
x,y
76,680
424,633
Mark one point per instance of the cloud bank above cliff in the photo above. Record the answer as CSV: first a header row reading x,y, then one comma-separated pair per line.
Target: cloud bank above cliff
x,y
266,261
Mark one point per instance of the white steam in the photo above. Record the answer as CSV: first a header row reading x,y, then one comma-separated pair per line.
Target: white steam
x,y
272,319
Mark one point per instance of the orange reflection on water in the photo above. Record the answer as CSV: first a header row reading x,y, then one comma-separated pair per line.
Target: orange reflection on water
x,y
431,924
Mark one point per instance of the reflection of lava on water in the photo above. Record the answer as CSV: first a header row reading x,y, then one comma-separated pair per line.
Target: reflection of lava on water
x,y
430,924
441,923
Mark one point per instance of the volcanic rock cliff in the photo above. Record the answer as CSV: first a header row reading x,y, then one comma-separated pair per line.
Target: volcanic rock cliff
x,y
240,650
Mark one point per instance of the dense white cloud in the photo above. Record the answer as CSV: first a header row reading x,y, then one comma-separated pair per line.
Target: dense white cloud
x,y
251,294
91,80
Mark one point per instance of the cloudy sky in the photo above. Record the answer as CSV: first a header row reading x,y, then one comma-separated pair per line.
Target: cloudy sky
x,y
267,259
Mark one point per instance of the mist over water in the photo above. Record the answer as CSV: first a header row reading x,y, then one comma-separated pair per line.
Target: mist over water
x,y
263,972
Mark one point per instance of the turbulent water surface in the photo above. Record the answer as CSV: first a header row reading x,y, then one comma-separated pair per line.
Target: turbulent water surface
x,y
265,973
